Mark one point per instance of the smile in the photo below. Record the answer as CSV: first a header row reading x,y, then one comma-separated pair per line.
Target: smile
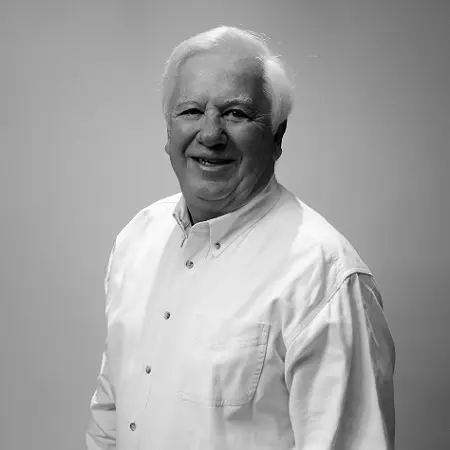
x,y
213,163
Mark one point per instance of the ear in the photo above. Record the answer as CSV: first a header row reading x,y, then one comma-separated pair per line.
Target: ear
x,y
166,147
278,139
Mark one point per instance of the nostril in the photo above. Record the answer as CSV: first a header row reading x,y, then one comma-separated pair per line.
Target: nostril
x,y
212,138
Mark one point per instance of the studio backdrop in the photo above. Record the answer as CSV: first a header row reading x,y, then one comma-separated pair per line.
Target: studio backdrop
x,y
82,151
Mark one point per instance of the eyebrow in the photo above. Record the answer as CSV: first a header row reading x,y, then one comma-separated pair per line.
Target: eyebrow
x,y
240,99
184,100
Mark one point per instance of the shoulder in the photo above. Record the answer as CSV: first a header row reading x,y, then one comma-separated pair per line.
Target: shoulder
x,y
150,223
157,214
316,241
314,258
159,210
319,261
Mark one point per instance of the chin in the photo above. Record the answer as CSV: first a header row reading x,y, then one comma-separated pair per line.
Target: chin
x,y
211,191
211,196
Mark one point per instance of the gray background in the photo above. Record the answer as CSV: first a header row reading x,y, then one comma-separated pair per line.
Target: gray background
x,y
82,150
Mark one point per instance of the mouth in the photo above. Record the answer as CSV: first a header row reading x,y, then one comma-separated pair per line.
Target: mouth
x,y
213,162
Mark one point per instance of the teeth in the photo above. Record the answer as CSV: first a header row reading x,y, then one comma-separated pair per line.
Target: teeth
x,y
208,162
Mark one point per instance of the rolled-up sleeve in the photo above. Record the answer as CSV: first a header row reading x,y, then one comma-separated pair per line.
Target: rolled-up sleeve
x,y
339,373
101,432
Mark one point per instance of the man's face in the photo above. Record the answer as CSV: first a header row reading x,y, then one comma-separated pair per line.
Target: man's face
x,y
220,141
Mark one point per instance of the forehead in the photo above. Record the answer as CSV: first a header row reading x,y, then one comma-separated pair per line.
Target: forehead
x,y
220,74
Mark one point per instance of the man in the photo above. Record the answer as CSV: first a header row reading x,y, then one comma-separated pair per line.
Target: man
x,y
238,318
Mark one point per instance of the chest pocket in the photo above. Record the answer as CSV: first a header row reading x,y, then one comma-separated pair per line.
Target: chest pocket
x,y
223,361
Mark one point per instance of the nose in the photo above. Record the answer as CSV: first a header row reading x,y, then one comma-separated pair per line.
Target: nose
x,y
212,133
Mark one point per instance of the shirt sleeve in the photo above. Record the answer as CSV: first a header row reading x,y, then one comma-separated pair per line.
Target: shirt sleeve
x,y
101,432
339,373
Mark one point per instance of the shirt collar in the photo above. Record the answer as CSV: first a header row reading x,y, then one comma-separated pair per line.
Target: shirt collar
x,y
223,230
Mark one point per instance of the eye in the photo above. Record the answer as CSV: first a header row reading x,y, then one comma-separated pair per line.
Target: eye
x,y
191,112
236,114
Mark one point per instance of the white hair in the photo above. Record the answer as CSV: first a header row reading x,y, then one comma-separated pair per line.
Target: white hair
x,y
276,85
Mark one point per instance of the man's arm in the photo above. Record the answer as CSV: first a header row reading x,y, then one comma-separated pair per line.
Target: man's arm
x,y
101,432
339,372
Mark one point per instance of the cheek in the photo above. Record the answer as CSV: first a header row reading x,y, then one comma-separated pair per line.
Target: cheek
x,y
181,136
254,147
249,136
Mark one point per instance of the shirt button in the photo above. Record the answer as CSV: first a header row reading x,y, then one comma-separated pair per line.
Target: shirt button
x,y
217,245
166,315
148,369
189,264
132,426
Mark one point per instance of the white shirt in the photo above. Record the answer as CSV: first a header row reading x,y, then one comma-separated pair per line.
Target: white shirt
x,y
259,329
